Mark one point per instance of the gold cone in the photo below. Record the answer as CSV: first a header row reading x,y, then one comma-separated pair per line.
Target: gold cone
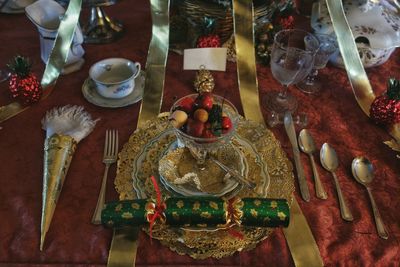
x,y
58,152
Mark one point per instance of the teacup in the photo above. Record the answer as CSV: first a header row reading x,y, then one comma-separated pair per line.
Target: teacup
x,y
114,77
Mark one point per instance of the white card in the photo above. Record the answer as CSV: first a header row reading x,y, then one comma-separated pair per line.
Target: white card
x,y
210,58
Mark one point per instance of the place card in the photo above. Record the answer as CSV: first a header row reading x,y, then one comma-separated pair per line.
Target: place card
x,y
210,58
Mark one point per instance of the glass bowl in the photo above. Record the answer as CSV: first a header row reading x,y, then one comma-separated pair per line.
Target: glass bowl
x,y
200,147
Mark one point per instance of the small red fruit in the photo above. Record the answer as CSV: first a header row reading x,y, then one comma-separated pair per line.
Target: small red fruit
x,y
226,124
204,101
208,134
194,128
187,104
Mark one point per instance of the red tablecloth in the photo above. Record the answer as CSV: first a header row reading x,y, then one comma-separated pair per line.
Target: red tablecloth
x,y
72,240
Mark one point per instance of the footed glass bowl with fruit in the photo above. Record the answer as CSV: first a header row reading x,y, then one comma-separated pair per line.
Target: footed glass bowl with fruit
x,y
203,123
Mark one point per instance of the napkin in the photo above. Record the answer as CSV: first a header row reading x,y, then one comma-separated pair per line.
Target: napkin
x,y
65,127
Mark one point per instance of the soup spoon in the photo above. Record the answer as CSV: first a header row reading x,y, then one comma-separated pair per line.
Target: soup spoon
x,y
363,172
307,145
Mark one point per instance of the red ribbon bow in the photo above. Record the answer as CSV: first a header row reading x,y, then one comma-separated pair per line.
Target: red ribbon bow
x,y
159,208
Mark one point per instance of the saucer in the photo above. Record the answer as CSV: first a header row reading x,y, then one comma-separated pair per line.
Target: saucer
x,y
90,93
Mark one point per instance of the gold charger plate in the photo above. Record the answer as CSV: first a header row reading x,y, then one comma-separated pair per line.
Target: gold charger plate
x,y
203,244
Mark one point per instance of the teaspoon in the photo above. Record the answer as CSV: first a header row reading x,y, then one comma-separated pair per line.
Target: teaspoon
x,y
307,145
330,162
363,172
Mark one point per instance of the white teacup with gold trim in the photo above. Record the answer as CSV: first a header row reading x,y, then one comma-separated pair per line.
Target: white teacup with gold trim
x,y
114,77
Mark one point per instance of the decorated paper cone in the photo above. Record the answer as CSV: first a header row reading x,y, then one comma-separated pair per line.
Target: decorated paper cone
x,y
58,152
65,128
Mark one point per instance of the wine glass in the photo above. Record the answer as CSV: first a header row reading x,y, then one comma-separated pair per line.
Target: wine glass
x,y
327,46
292,58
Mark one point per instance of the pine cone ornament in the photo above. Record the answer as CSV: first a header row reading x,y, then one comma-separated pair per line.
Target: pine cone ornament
x,y
23,84
204,81
386,108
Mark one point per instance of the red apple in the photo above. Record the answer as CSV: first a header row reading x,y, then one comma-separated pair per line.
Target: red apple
x,y
194,128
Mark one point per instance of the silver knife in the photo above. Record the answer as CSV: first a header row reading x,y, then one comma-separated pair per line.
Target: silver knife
x,y
291,133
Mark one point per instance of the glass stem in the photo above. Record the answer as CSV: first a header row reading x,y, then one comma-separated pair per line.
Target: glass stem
x,y
311,77
283,93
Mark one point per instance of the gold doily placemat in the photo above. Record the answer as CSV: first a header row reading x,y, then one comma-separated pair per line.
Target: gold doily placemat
x,y
211,243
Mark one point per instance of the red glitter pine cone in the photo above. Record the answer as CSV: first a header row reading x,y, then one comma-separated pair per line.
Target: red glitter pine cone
x,y
385,111
23,84
211,40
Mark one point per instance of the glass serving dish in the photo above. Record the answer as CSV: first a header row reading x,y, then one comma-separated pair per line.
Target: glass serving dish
x,y
201,147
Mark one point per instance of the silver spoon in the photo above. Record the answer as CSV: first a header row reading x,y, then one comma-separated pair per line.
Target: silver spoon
x,y
363,172
307,145
330,162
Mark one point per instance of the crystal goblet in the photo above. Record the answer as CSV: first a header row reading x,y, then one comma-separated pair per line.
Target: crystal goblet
x,y
292,58
328,45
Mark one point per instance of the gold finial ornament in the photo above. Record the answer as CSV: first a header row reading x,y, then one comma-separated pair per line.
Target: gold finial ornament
x,y
204,81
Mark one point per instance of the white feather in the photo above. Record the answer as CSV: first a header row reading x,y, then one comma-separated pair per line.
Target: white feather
x,y
68,120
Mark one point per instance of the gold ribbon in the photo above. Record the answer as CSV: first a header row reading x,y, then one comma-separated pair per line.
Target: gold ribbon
x,y
358,78
57,58
124,244
245,58
298,235
156,62
123,247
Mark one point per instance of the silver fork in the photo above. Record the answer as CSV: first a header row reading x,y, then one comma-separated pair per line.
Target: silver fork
x,y
109,157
